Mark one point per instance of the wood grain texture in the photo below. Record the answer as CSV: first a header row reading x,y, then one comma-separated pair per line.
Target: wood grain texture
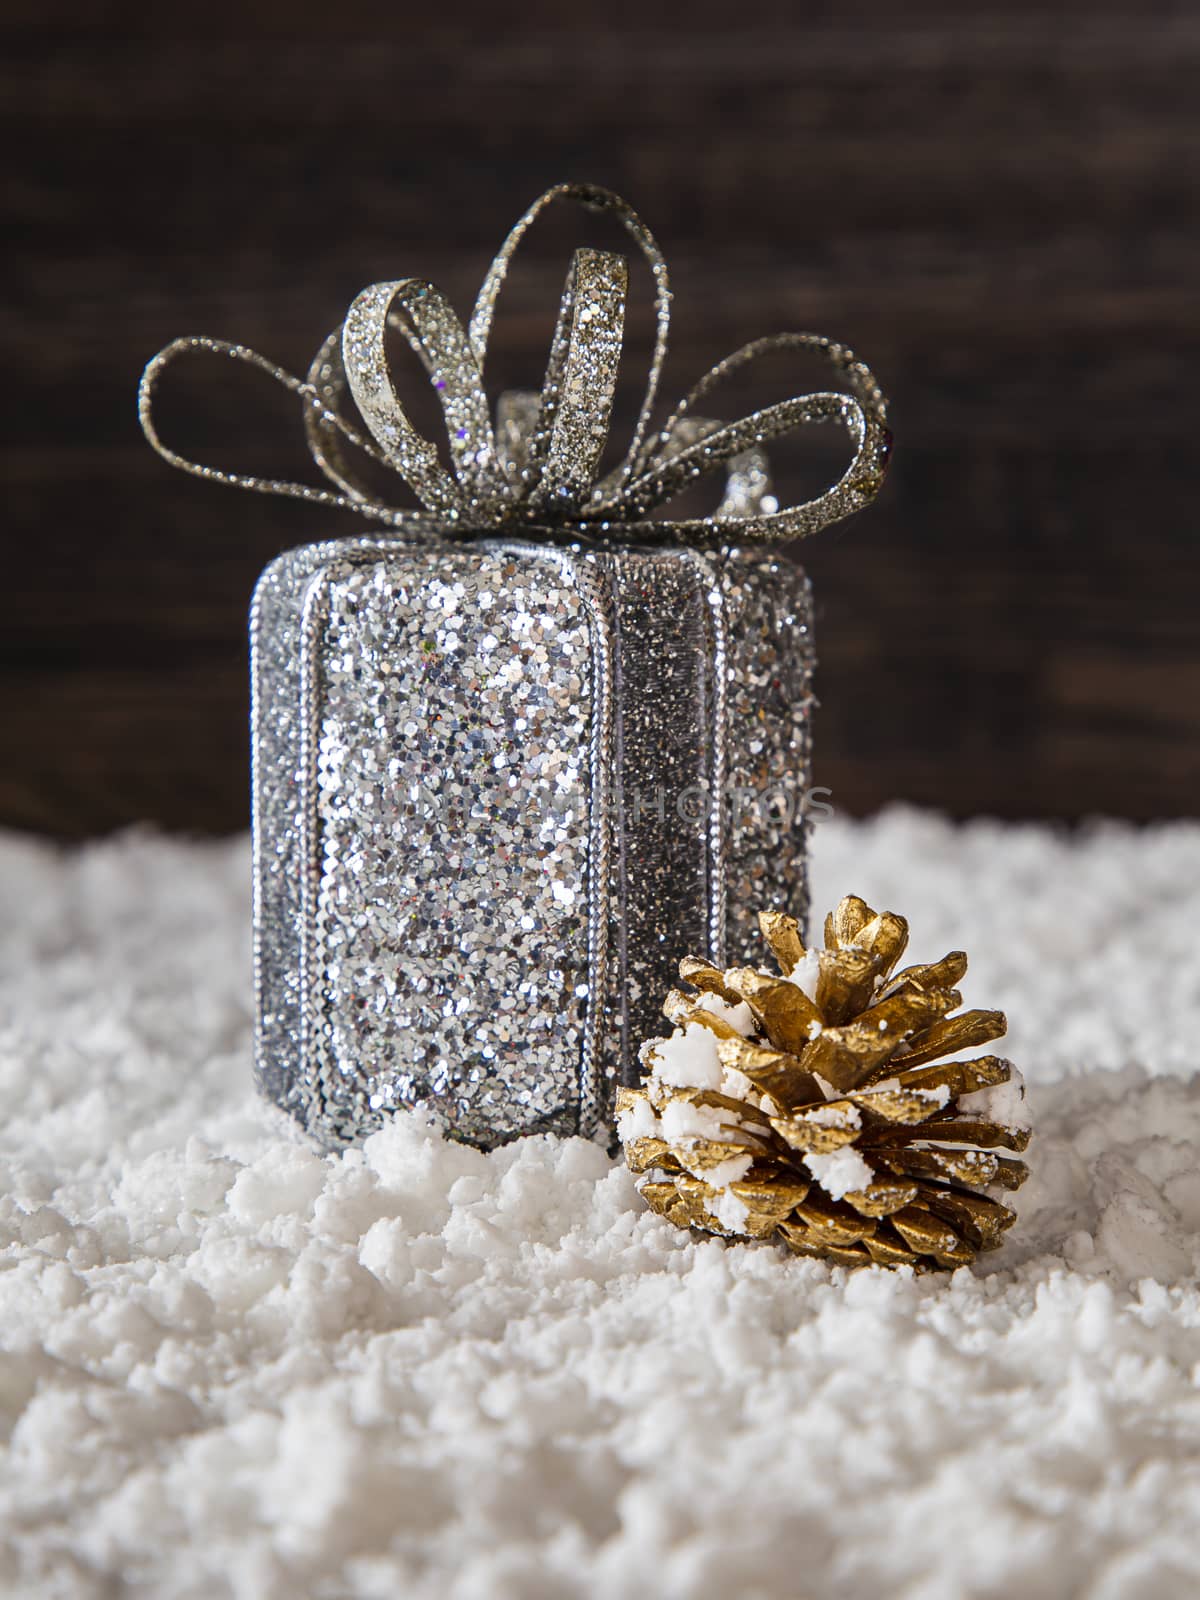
x,y
994,204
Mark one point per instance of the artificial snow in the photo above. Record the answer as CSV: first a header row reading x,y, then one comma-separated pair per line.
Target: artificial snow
x,y
637,1121
936,1094
230,1366
739,1017
841,1172
806,974
1005,1103
683,1124
842,1114
686,1059
681,1120
729,1211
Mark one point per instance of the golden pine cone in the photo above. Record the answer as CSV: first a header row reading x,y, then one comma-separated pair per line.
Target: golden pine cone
x,y
815,1107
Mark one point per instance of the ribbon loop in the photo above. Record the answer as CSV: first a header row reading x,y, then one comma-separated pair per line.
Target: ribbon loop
x,y
593,198
239,480
581,378
540,464
422,314
323,427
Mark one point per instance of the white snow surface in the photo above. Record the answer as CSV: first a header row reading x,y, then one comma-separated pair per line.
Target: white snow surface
x,y
230,1366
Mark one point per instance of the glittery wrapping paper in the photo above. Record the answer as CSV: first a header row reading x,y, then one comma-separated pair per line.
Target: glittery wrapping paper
x,y
498,787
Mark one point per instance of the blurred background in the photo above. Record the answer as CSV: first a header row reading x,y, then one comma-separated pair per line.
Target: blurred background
x,y
995,204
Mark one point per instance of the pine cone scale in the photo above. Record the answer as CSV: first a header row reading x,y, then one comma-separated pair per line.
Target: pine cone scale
x,y
880,1199
971,1130
811,1137
783,938
845,920
963,1032
958,1077
943,974
783,1009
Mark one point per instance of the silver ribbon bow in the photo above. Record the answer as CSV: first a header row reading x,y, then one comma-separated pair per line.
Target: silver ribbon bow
x,y
538,468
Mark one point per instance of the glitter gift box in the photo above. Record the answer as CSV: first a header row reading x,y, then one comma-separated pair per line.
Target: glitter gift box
x,y
514,758
498,788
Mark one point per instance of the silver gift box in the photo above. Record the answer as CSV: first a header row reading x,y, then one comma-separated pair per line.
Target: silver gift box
x,y
499,789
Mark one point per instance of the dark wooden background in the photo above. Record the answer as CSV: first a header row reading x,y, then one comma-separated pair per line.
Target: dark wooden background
x,y
994,203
